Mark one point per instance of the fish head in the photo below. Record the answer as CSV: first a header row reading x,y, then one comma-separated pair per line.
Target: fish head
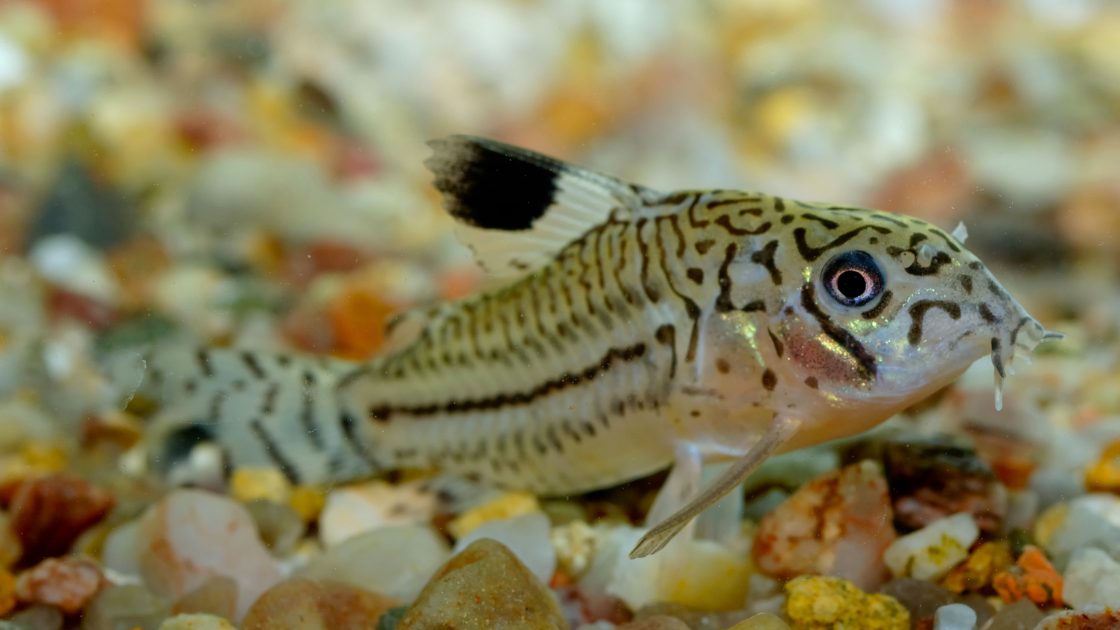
x,y
891,308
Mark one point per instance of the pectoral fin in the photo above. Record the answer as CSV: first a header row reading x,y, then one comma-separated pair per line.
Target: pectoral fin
x,y
780,432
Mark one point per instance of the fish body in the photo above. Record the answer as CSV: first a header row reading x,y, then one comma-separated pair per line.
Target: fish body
x,y
640,321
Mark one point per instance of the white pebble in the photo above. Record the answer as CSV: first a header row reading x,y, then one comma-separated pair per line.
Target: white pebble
x,y
527,536
954,617
1092,577
934,550
195,622
354,510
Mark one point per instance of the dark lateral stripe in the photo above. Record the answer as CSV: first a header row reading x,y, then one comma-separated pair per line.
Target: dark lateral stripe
x,y
204,362
350,430
881,306
272,449
631,353
765,257
918,312
848,341
307,412
812,253
254,366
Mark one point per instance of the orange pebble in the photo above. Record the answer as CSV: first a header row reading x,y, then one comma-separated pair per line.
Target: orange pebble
x,y
358,318
1033,578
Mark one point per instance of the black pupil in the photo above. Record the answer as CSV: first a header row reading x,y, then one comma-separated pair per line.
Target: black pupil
x,y
851,284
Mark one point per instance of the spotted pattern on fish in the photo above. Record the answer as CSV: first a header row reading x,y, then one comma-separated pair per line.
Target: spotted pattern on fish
x,y
654,318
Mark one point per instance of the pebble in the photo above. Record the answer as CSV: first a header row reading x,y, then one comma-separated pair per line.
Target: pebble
x,y
280,527
838,524
393,561
217,596
708,576
308,502
196,622
527,536
49,514
484,586
762,621
982,565
1022,615
125,608
922,598
695,618
353,510
505,506
1032,577
8,598
829,603
120,551
38,617
1092,578
191,536
582,607
575,544
656,622
934,550
259,482
931,479
68,583
1104,619
1092,520
316,605
954,617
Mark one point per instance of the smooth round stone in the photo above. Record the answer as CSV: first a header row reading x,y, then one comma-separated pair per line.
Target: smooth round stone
x,y
38,617
125,608
954,617
191,536
527,536
392,561
196,622
353,510
1022,615
279,525
121,551
1092,578
217,596
299,604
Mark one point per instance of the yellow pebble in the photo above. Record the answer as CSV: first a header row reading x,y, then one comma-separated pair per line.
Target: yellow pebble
x,y
829,603
711,577
506,506
248,483
1104,475
762,621
307,502
1048,522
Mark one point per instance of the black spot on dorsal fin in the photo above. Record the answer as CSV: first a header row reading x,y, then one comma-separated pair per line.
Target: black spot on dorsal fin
x,y
492,185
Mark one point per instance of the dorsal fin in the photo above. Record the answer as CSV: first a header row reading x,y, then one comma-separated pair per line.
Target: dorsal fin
x,y
514,208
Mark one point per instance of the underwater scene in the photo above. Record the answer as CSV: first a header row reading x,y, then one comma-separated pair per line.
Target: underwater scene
x,y
559,314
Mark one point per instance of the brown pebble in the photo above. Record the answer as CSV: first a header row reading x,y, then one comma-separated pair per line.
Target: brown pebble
x,y
312,605
49,514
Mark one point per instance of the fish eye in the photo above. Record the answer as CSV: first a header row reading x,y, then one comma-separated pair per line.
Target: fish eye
x,y
853,278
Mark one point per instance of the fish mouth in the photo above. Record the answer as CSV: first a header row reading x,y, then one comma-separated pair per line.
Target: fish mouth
x,y
1024,337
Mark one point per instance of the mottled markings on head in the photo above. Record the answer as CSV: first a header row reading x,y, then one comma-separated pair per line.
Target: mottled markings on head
x,y
987,315
691,213
812,382
487,188
864,359
203,357
993,287
917,237
754,212
765,257
951,242
769,380
754,306
778,347
877,310
696,275
976,265
918,312
724,221
889,219
966,282
828,224
722,366
719,203
272,450
702,246
723,300
787,219
675,222
779,204
810,253
873,240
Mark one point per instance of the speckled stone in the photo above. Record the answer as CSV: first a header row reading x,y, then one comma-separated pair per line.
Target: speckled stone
x,y
299,604
484,587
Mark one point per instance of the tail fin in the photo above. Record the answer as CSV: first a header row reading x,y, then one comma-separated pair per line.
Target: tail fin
x,y
261,409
